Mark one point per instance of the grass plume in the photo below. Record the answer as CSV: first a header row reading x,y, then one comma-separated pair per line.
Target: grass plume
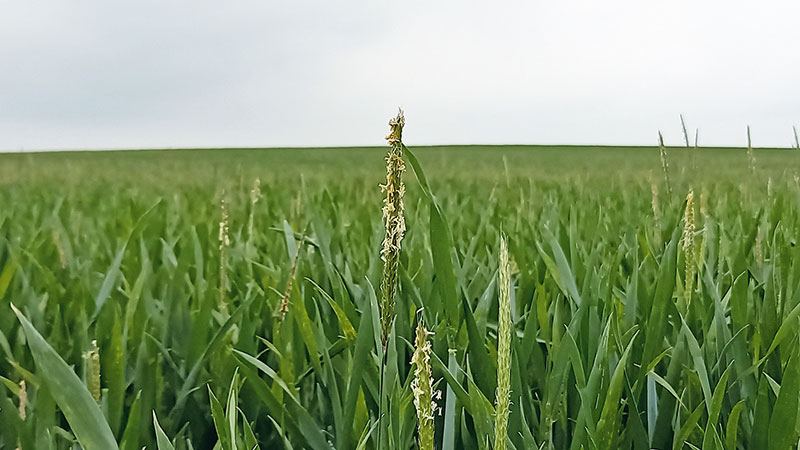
x,y
689,246
394,222
287,293
664,163
224,243
93,371
255,195
23,399
503,396
685,132
655,206
422,387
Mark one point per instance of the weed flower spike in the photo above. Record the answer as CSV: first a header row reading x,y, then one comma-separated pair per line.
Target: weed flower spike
x,y
290,283
23,399
394,222
664,164
224,243
93,375
688,246
255,195
502,402
750,155
422,387
654,204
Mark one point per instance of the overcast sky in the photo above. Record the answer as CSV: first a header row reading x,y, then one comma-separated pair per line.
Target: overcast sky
x,y
107,74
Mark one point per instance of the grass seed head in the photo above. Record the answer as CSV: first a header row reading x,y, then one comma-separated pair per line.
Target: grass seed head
x,y
93,376
62,256
255,192
255,195
503,395
664,164
422,387
655,205
287,294
394,221
23,399
224,243
758,250
689,245
224,230
750,155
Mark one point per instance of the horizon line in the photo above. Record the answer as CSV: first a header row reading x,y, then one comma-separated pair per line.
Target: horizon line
x,y
340,147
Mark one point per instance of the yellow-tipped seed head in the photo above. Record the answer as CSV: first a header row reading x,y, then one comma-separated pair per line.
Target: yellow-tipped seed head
x,y
93,376
688,246
394,222
503,396
23,399
664,163
422,387
224,243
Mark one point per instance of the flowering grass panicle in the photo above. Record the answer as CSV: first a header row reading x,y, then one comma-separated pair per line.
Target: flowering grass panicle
x,y
287,293
23,399
93,371
422,387
394,222
758,248
664,163
62,256
503,396
255,195
750,155
769,188
224,243
685,132
689,246
655,206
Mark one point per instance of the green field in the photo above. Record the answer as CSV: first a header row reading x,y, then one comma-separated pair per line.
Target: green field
x,y
115,264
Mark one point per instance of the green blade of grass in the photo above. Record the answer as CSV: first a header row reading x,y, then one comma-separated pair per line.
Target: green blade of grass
x,y
74,400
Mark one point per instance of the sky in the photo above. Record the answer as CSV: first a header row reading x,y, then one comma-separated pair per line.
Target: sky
x,y
94,74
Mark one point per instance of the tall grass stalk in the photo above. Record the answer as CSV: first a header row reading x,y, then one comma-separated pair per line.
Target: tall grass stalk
x,y
693,151
287,293
422,387
689,247
395,227
750,155
93,371
758,251
664,163
394,222
23,399
685,132
703,236
224,243
23,404
503,396
255,195
796,138
62,256
655,206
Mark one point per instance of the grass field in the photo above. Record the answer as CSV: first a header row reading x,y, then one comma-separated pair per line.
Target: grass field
x,y
634,322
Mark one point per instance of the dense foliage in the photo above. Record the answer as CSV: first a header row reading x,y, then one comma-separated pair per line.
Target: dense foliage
x,y
139,323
